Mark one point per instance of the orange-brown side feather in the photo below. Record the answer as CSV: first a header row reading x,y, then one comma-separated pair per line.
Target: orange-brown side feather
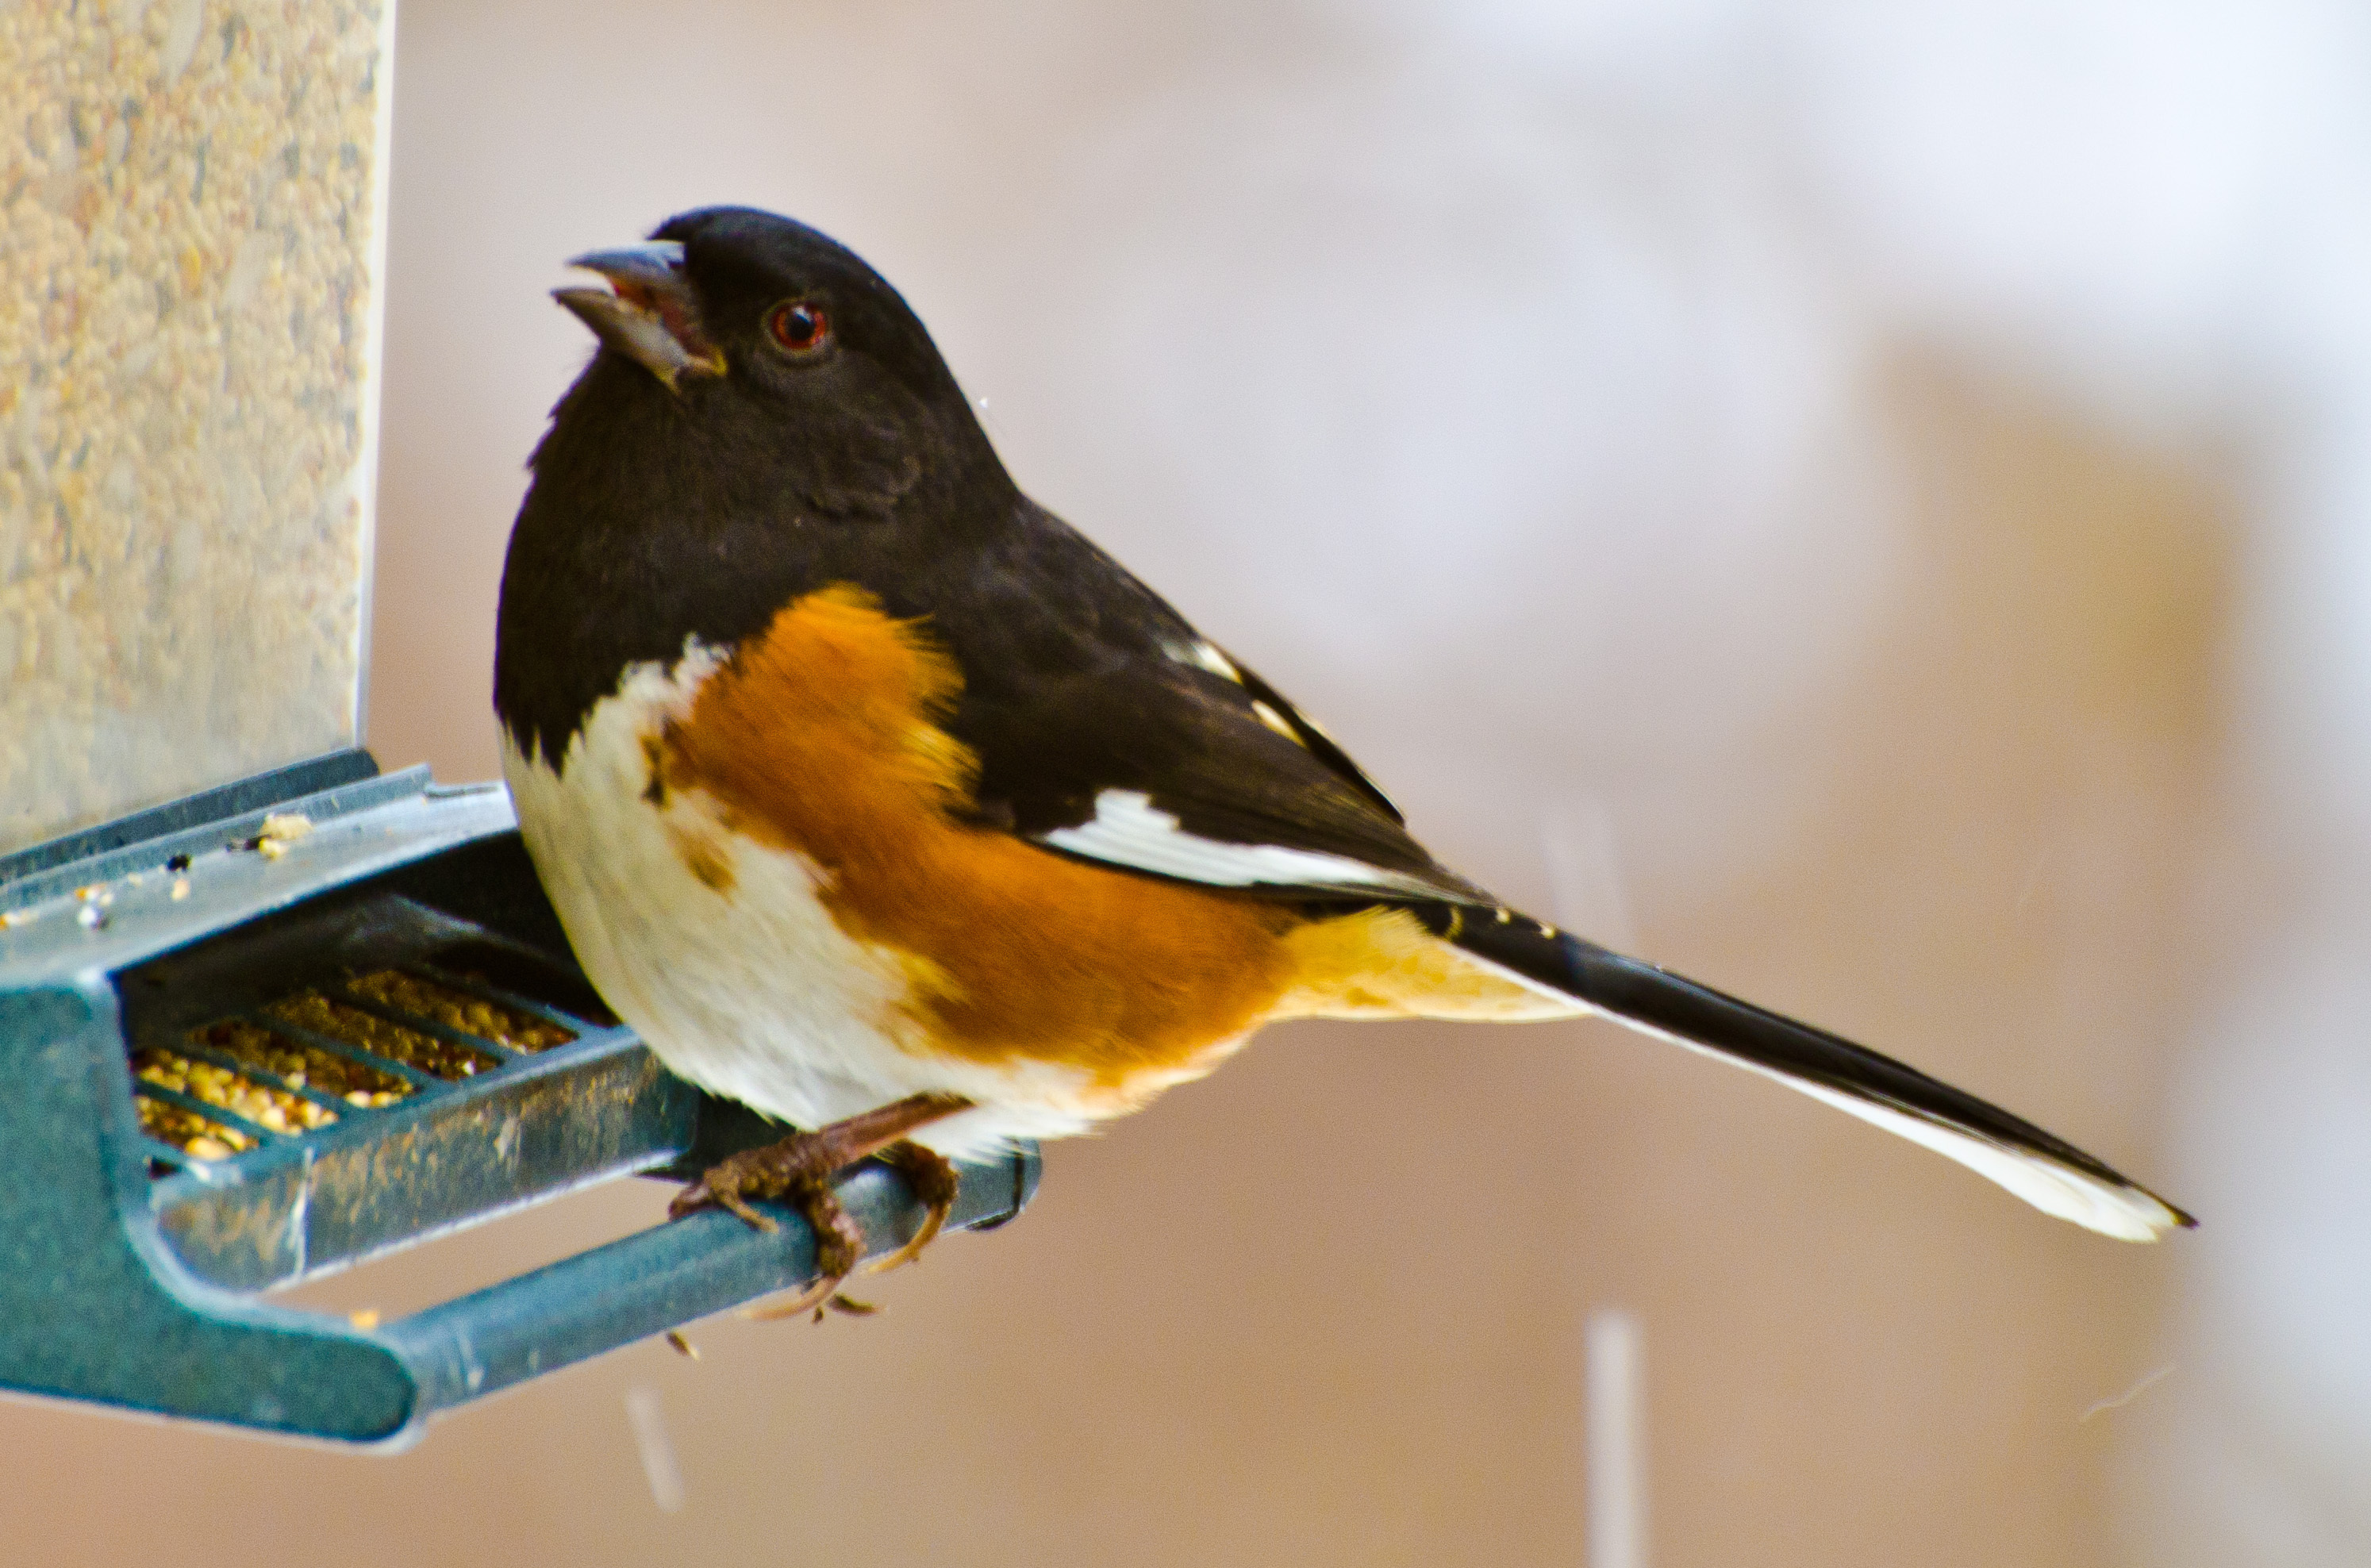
x,y
821,737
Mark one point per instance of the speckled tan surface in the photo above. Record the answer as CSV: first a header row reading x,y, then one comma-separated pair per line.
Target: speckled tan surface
x,y
189,211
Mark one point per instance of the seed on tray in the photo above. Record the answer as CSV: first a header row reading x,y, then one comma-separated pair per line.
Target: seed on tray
x,y
424,1051
458,1009
276,1109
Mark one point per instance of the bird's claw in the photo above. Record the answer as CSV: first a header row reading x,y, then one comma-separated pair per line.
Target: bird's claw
x,y
931,1178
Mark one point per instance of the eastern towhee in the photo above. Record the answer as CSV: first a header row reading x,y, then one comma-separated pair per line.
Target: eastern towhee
x,y
873,795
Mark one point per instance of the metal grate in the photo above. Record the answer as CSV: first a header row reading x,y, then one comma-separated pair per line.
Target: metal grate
x,y
546,1092
307,1062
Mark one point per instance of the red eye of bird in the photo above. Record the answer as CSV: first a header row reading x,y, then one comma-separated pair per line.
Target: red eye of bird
x,y
799,326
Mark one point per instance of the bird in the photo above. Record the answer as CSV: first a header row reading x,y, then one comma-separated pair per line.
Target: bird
x,y
875,796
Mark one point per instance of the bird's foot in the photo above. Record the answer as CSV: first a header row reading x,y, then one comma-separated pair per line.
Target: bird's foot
x,y
798,1170
931,1176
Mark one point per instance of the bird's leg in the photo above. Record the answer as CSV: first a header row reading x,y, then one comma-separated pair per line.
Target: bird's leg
x,y
799,1169
931,1178
778,1169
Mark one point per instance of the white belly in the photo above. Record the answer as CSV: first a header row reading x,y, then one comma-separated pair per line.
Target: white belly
x,y
738,978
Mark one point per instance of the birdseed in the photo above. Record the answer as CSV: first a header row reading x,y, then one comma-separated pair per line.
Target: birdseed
x,y
190,1133
275,1066
424,1052
326,1072
189,203
273,1107
458,1009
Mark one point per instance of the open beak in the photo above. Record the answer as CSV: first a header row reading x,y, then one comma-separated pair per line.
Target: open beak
x,y
647,311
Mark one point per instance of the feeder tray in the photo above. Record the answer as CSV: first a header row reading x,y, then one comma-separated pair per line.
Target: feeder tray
x,y
285,1025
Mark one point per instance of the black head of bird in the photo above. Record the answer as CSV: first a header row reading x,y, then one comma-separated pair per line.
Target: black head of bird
x,y
769,339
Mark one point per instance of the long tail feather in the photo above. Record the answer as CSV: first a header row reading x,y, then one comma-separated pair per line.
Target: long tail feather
x,y
2046,1171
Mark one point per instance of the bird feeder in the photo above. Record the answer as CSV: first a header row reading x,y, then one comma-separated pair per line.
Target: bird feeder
x,y
301,1013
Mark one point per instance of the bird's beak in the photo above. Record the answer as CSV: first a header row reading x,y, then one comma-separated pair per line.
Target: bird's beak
x,y
647,311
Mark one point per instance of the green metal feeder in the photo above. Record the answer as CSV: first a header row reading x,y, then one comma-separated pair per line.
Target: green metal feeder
x,y
136,1274
304,1013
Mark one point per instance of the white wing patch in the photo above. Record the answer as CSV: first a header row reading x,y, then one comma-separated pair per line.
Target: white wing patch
x,y
1129,830
1204,656
1274,721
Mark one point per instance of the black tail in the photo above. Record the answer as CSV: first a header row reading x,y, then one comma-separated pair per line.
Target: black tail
x,y
2050,1174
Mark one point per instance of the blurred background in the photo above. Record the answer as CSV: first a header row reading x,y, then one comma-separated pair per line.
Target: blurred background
x,y
1860,504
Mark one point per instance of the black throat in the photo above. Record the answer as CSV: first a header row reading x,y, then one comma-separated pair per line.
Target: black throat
x,y
657,517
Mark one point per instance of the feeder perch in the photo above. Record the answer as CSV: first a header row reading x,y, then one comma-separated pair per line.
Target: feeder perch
x,y
303,1013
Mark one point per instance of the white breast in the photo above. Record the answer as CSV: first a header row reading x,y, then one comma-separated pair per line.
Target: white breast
x,y
738,977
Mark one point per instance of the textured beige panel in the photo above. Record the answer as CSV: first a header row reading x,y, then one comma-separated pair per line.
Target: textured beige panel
x,y
189,196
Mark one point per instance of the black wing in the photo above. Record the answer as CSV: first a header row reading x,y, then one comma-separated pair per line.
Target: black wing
x,y
1107,727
